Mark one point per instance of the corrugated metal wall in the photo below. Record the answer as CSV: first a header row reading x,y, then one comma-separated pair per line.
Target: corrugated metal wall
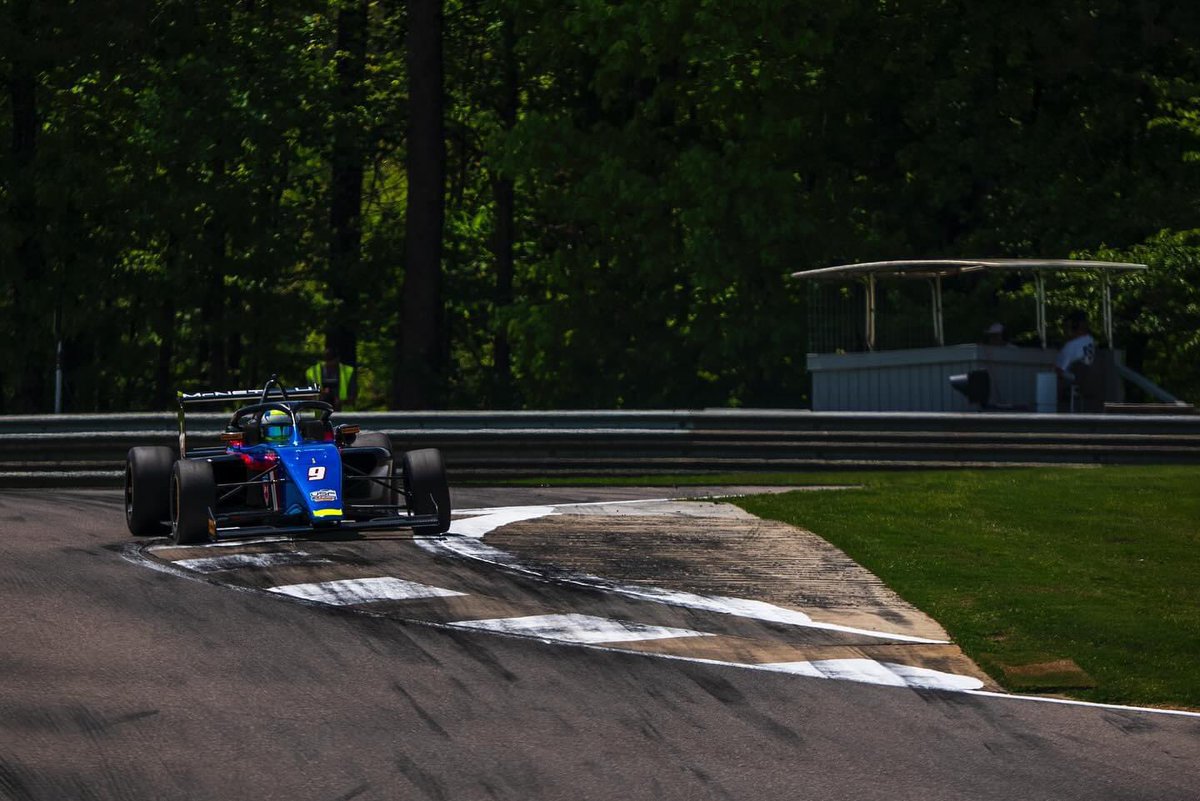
x,y
917,380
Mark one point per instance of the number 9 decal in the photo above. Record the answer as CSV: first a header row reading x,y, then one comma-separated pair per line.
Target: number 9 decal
x,y
316,473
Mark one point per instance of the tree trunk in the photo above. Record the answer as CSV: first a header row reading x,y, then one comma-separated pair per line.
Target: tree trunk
x,y
345,210
420,343
162,393
215,298
504,238
24,217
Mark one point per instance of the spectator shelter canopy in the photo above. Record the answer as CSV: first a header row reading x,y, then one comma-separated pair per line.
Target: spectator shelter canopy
x,y
934,270
871,378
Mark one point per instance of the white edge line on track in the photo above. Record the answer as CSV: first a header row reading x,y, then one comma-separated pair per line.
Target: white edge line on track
x,y
484,510
1093,704
631,501
487,510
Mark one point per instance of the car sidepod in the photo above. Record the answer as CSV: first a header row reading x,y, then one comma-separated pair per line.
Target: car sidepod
x,y
315,486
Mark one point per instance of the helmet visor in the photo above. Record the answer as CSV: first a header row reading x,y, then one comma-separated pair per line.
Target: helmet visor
x,y
277,432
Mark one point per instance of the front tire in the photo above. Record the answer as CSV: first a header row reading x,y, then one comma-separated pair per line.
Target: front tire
x,y
427,488
193,495
148,490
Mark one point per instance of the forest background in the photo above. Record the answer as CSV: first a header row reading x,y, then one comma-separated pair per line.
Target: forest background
x,y
536,204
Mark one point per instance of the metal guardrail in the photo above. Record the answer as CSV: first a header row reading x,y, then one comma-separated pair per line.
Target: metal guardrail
x,y
83,450
1146,385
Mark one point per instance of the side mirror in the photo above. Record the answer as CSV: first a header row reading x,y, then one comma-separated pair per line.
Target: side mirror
x,y
345,434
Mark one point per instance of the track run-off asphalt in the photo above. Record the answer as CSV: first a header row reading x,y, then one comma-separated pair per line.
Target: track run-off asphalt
x,y
575,644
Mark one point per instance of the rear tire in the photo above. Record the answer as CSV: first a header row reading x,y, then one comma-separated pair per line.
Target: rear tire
x,y
148,490
378,493
428,491
373,439
193,494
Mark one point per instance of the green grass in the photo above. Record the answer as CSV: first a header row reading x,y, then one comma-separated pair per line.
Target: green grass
x,y
1024,567
1034,566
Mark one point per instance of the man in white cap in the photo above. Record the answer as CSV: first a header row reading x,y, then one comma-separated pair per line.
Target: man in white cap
x,y
994,335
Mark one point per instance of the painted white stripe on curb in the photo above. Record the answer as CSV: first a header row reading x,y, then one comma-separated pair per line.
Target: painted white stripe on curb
x,y
492,519
348,592
471,548
868,671
578,628
213,564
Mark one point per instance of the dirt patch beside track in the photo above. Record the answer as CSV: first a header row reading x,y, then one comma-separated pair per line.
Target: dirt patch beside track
x,y
731,555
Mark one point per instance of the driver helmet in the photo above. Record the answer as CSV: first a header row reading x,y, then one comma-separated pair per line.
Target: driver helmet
x,y
276,426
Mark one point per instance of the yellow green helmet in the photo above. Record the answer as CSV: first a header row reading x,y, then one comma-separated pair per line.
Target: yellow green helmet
x,y
276,426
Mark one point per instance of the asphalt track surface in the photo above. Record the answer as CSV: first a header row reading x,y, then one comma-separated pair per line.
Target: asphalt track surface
x,y
126,683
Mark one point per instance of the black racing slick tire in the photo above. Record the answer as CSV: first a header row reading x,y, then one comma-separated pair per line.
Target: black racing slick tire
x,y
373,439
148,490
428,491
385,492
193,495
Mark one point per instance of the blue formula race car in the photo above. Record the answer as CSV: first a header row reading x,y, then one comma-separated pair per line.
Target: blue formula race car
x,y
281,467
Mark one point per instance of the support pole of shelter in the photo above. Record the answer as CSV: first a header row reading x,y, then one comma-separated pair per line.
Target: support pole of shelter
x,y
1039,282
939,328
870,312
58,364
1106,309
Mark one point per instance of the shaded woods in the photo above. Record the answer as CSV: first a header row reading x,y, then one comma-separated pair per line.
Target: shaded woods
x,y
502,204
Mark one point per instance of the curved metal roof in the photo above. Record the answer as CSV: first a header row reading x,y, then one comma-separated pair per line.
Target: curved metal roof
x,y
935,268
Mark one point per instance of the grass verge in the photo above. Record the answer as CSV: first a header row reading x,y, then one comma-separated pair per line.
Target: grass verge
x,y
1076,582
1083,583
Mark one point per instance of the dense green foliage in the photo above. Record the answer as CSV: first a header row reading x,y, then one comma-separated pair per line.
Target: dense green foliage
x,y
626,186
1034,567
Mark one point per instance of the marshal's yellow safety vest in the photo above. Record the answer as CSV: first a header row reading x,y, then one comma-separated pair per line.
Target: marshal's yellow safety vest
x,y
345,372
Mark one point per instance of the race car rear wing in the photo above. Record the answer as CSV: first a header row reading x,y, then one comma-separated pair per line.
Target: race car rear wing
x,y
262,396
271,391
